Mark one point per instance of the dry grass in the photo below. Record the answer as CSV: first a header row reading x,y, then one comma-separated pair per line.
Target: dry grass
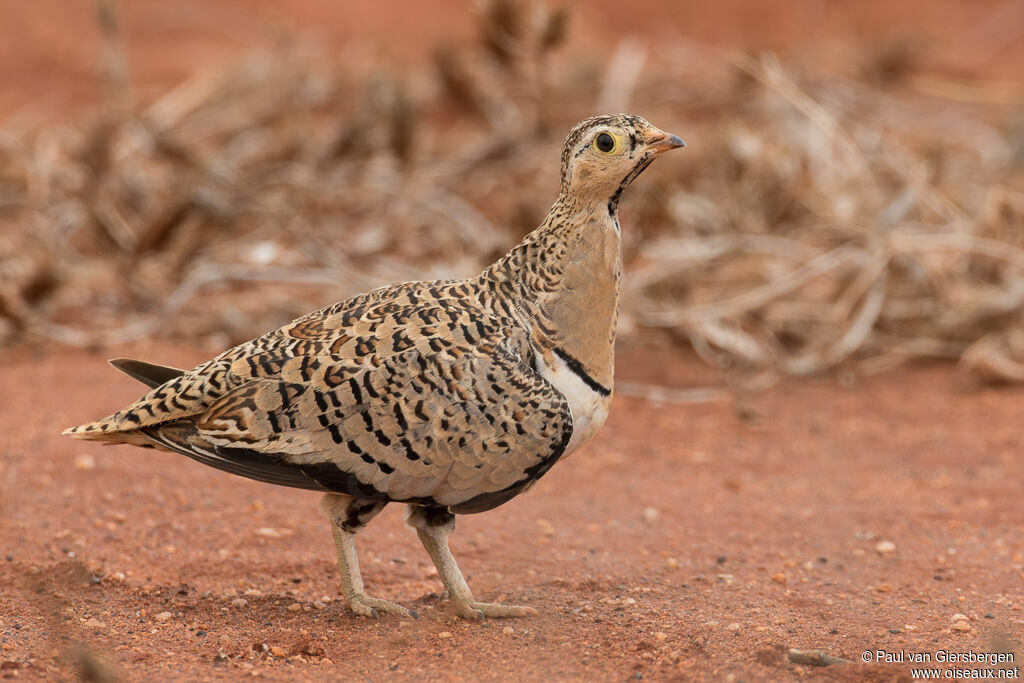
x,y
818,222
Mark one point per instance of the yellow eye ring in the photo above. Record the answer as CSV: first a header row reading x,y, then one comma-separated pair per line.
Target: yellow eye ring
x,y
607,143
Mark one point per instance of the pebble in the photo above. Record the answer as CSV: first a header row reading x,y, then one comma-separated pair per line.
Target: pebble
x,y
254,593
294,607
84,462
961,626
672,563
959,617
444,634
278,651
508,631
660,635
779,577
883,588
885,547
93,622
239,602
268,532
650,515
163,616
734,627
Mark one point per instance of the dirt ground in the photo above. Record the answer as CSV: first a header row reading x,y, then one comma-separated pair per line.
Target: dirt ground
x,y
685,542
50,55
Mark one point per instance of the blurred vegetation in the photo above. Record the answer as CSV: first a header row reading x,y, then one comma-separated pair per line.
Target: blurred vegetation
x,y
816,221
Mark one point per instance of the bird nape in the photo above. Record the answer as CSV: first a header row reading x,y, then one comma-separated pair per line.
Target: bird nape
x,y
451,396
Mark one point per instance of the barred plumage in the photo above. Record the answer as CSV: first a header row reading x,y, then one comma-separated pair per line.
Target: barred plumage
x,y
451,396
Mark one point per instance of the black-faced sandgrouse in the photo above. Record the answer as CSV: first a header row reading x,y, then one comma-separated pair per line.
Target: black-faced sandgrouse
x,y
449,396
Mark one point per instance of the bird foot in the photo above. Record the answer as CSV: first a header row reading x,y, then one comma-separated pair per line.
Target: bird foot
x,y
477,611
366,606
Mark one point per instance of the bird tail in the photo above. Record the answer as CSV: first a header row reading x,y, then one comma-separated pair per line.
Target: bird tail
x,y
108,431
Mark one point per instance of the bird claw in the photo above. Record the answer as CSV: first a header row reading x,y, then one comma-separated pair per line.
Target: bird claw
x,y
366,606
478,611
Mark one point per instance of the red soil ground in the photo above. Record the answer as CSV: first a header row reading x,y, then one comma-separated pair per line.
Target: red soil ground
x,y
50,53
685,542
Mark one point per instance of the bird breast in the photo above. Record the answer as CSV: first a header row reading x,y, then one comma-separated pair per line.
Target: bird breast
x,y
589,408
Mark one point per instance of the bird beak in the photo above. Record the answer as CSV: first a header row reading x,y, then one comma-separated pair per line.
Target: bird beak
x,y
660,141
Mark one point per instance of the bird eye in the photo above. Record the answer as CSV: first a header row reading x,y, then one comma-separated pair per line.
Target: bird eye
x,y
604,143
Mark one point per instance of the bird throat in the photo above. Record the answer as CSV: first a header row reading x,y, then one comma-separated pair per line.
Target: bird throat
x,y
583,311
564,277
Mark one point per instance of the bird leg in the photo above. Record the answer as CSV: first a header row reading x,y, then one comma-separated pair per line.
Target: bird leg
x,y
348,515
434,525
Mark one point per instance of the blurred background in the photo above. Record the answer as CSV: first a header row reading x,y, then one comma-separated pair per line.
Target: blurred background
x,y
852,196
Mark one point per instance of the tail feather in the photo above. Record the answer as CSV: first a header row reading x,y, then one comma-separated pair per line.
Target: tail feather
x,y
105,432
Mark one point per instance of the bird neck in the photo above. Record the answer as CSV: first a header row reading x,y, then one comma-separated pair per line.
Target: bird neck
x,y
562,282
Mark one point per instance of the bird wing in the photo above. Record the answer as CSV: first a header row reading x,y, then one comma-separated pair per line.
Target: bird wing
x,y
422,401
150,374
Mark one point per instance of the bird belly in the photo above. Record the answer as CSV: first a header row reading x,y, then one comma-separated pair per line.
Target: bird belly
x,y
589,409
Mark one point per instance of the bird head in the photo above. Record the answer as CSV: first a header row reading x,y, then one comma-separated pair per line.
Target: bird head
x,y
604,154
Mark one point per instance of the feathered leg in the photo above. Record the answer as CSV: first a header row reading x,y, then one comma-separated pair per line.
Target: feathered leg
x,y
348,515
434,525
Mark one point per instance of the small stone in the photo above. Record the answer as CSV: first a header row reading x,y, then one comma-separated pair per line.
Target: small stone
x,y
278,651
722,559
239,602
989,615
163,616
883,588
734,627
961,626
200,632
84,462
650,515
294,607
252,592
885,547
268,532
779,577
660,636
508,631
444,634
672,563
959,617
93,622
